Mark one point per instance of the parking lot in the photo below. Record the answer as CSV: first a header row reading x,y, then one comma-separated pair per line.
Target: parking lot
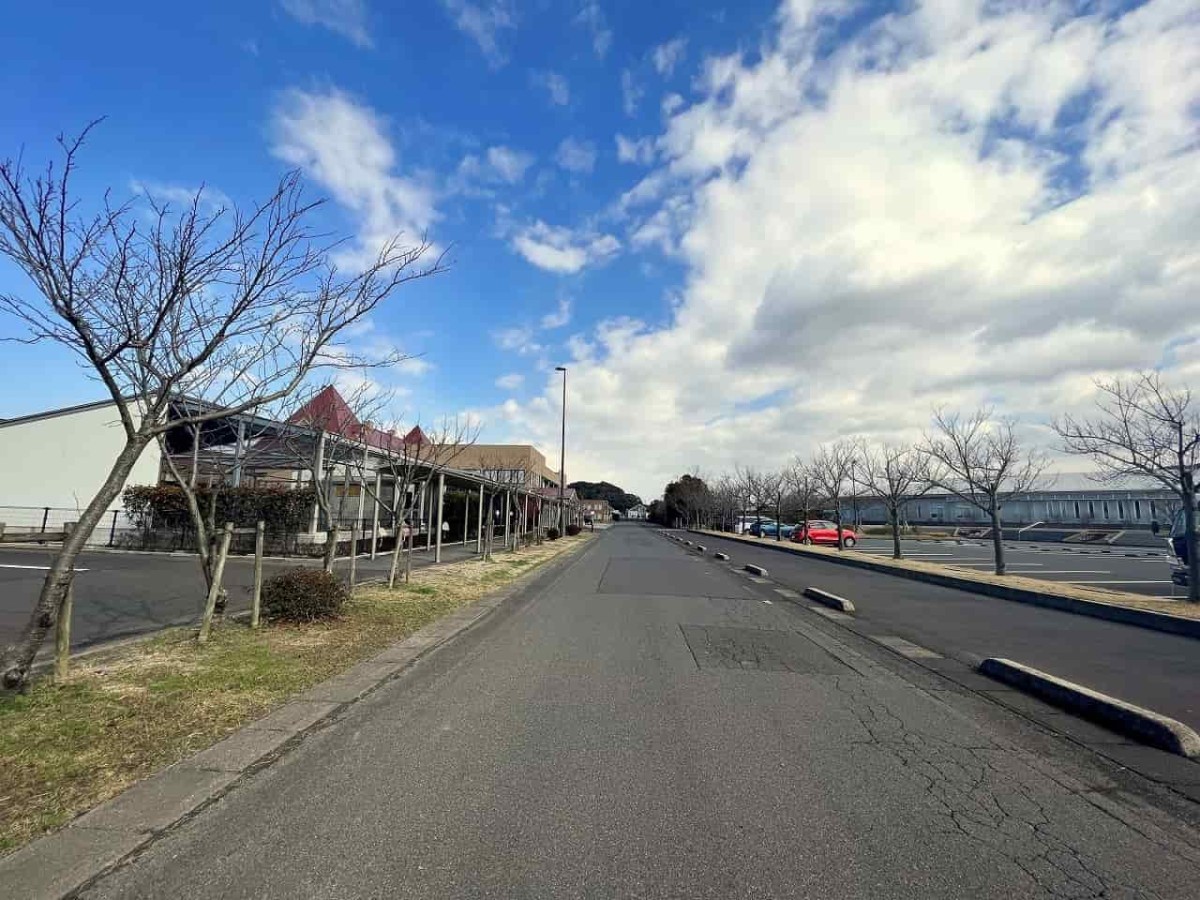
x,y
1138,570
118,594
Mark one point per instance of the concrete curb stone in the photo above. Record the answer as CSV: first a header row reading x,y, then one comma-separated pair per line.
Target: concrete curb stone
x,y
1141,724
833,601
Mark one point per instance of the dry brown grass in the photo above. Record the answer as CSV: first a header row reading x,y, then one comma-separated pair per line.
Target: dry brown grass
x,y
1057,588
123,715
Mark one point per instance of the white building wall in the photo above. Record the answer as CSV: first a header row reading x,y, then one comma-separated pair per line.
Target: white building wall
x,y
60,460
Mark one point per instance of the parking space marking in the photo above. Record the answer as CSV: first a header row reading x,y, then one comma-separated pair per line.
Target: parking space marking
x,y
38,568
785,592
1155,581
906,648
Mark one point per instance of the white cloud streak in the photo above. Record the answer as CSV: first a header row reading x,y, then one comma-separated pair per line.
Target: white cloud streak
x,y
342,145
576,156
485,24
345,17
561,250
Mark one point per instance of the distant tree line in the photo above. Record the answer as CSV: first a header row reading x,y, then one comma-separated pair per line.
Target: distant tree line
x,y
617,498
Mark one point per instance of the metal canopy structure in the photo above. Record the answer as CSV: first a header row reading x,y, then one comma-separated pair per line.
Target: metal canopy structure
x,y
365,472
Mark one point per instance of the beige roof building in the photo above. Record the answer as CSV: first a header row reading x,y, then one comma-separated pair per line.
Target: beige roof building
x,y
513,464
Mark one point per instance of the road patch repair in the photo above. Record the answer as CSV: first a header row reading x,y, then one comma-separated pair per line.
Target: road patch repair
x,y
1140,724
833,601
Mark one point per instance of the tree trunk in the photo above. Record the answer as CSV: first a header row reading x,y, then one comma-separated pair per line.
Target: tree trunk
x,y
837,508
18,656
331,540
779,518
397,547
1190,538
214,589
895,533
997,541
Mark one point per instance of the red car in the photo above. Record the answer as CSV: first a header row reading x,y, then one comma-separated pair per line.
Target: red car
x,y
821,532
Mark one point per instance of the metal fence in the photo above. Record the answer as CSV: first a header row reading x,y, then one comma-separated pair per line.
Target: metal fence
x,y
114,529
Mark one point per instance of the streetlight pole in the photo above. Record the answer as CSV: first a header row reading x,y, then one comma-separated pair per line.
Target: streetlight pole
x,y
562,456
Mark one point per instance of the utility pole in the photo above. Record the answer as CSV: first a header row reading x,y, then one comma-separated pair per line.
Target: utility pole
x,y
562,456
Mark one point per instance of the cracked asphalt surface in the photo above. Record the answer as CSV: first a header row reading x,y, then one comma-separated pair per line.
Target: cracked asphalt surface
x,y
647,725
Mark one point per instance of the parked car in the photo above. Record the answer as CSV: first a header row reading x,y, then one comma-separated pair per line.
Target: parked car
x,y
785,531
759,528
822,532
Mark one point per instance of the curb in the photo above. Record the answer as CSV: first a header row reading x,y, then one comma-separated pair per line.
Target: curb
x,y
722,556
833,601
62,863
756,570
701,548
1125,615
1141,724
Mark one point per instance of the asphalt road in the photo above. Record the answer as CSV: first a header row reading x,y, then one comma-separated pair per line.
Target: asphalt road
x,y
123,594
1139,570
1155,670
648,725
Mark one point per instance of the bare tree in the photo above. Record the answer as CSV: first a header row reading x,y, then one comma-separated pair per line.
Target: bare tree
x,y
895,474
830,471
802,486
243,304
725,499
1145,429
980,460
772,485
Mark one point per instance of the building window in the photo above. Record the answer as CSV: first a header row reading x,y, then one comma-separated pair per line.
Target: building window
x,y
1104,506
1137,509
1153,510
1076,510
1091,509
1120,510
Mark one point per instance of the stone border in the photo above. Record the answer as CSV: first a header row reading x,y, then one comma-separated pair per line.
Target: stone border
x,y
1126,615
833,601
1138,723
755,570
60,864
724,557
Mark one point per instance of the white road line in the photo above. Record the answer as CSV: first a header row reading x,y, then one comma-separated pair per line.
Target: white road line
x,y
992,563
1156,581
905,648
39,568
785,592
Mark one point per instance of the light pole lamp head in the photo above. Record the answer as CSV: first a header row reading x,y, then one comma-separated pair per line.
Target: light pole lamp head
x,y
560,368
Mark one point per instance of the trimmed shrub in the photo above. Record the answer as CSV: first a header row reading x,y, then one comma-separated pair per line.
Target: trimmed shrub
x,y
303,595
573,530
552,534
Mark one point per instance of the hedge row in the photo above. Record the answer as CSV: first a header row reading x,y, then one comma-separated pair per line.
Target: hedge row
x,y
285,510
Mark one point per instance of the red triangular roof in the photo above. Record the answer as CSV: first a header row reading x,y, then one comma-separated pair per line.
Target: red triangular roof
x,y
328,411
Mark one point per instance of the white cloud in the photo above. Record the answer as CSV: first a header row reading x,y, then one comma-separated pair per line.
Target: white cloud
x,y
341,144
631,93
484,23
345,17
591,17
576,155
961,204
671,103
510,382
518,339
509,164
560,317
177,195
554,84
667,56
562,250
639,150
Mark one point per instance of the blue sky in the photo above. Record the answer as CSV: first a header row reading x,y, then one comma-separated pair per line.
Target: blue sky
x,y
192,96
748,228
